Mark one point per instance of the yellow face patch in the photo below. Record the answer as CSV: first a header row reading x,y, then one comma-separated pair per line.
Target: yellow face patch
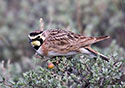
x,y
35,43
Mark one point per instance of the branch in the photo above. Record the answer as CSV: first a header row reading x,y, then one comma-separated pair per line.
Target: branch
x,y
41,24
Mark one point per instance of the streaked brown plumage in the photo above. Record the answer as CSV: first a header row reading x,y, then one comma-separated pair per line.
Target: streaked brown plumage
x,y
57,42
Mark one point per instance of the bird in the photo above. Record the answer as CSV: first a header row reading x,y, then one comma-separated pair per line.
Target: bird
x,y
59,42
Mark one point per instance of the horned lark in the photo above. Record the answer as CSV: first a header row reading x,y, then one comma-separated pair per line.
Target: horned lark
x,y
57,42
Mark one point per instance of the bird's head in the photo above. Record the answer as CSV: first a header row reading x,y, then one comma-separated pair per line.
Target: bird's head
x,y
36,39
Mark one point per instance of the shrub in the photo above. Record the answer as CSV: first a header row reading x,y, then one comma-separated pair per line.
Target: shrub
x,y
73,72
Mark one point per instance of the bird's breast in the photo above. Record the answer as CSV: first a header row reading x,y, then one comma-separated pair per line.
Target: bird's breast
x,y
42,51
53,53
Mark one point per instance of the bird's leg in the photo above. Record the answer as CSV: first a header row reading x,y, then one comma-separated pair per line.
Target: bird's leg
x,y
43,58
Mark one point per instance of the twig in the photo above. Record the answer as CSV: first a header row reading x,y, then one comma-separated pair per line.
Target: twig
x,y
41,24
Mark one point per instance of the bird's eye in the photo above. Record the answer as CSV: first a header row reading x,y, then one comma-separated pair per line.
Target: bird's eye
x,y
38,37
32,34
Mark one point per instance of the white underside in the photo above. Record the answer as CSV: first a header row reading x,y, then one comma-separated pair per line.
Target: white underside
x,y
85,51
52,53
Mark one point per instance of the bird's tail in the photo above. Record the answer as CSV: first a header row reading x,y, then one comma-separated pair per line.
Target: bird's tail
x,y
101,38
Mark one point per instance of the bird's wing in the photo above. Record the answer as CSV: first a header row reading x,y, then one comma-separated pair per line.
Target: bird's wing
x,y
84,41
60,43
72,38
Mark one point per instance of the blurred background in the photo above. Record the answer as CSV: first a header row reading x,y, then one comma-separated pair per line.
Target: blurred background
x,y
89,17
